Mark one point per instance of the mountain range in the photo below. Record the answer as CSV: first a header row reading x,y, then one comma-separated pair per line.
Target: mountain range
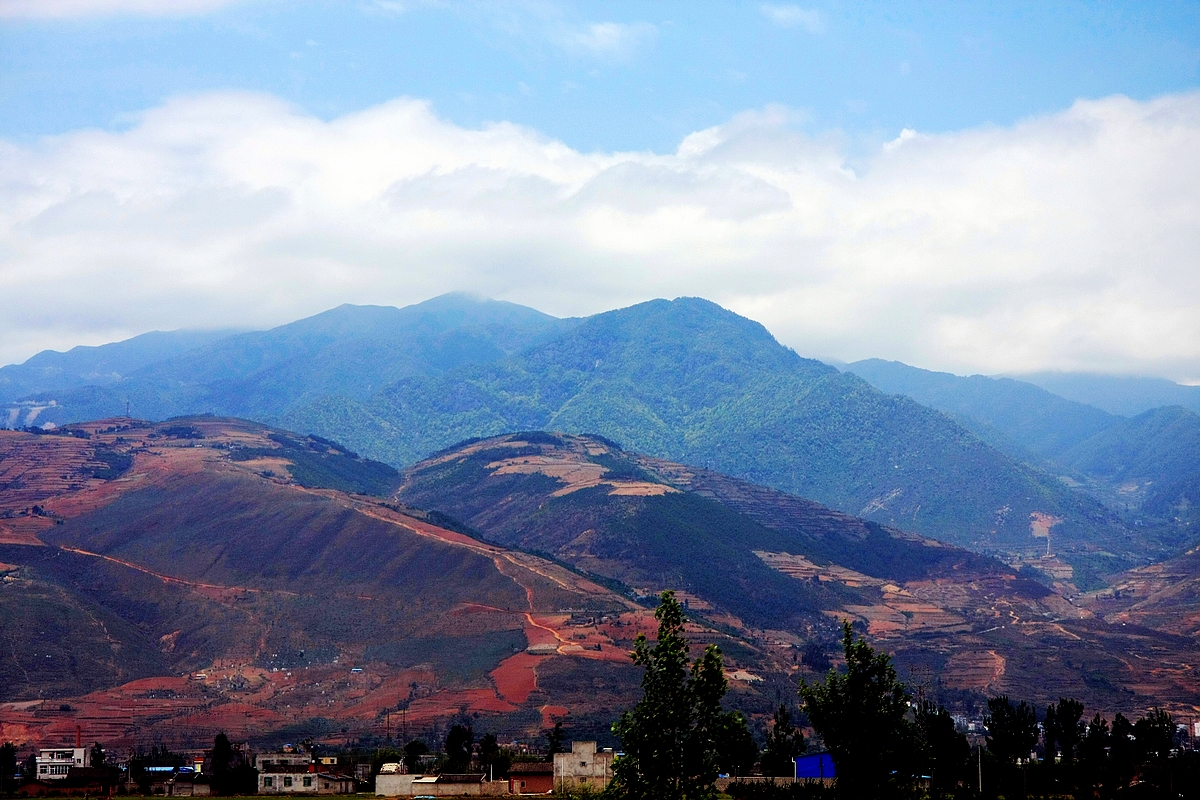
x,y
166,581
683,379
1147,465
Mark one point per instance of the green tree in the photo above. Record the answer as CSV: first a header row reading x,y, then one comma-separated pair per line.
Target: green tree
x,y
1064,727
459,744
1154,735
1123,752
784,743
1012,730
1092,758
555,738
412,756
677,737
8,765
96,756
861,717
737,751
495,762
944,751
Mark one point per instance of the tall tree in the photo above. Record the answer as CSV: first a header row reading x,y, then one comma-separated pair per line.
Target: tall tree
x,y
943,750
495,762
1064,727
555,738
1012,730
8,765
784,743
460,742
677,736
412,756
96,756
737,750
861,717
1092,757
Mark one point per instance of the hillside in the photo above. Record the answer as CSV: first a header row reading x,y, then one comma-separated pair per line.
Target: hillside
x,y
684,379
1126,395
1148,466
690,381
1150,462
50,371
166,581
349,351
1010,414
750,558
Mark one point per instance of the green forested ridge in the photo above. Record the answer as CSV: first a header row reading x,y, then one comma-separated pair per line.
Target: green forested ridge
x,y
348,351
682,379
1005,412
690,381
1148,464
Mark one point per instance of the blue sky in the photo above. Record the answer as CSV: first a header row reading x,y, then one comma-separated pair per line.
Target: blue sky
x,y
606,76
973,187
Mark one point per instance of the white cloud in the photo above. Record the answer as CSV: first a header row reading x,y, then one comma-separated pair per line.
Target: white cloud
x,y
793,16
67,9
1068,241
607,39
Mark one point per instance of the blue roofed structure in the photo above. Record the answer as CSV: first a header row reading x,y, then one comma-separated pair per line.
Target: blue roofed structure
x,y
815,765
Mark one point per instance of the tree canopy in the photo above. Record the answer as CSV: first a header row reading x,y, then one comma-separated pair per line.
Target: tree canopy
x,y
678,737
862,717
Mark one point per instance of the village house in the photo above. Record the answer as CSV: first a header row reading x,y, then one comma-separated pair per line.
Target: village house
x,y
531,777
583,767
53,763
297,773
398,784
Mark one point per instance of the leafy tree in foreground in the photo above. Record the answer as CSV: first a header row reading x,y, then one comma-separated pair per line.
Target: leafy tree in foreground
x,y
8,765
944,751
554,740
459,744
495,762
737,751
1012,730
677,737
861,717
784,743
1064,728
412,755
96,756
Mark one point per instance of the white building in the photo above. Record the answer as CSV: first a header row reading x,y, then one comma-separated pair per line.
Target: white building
x,y
53,763
581,767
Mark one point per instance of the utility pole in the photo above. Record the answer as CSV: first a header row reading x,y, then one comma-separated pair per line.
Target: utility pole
x,y
980,768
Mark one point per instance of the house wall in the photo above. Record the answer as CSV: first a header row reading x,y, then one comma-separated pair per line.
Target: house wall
x,y
294,783
407,786
533,784
583,766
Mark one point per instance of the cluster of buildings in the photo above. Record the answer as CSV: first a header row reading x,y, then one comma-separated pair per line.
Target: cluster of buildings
x,y
65,771
584,767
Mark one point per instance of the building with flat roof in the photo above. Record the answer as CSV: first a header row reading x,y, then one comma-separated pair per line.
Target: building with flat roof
x,y
53,763
583,767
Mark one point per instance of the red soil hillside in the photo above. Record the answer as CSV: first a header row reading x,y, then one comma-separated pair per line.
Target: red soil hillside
x,y
176,580
782,571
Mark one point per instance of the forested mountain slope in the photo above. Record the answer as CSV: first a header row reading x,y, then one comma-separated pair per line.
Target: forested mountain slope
x,y
1003,411
690,381
349,351
106,364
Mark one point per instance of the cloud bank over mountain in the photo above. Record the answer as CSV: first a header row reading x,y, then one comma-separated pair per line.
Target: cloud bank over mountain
x,y
1068,241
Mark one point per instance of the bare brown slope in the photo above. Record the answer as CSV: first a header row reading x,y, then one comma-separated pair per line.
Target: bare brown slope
x,y
196,564
784,570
